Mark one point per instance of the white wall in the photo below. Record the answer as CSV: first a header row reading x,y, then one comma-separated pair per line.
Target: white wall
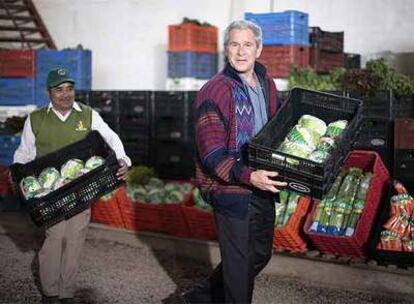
x,y
128,38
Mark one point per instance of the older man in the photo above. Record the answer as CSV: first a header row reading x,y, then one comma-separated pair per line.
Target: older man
x,y
230,109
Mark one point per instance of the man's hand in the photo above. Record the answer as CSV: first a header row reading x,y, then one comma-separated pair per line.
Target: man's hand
x,y
262,179
122,173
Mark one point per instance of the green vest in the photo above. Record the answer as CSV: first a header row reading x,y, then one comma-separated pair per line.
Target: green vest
x,y
52,134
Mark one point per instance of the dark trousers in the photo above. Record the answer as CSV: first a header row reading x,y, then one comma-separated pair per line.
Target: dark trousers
x,y
245,248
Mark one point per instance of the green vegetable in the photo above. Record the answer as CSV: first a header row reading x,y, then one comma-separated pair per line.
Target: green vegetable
x,y
313,123
94,162
140,175
48,177
291,207
30,186
71,168
280,208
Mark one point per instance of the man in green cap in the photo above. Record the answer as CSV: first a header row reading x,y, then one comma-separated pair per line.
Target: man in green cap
x,y
62,122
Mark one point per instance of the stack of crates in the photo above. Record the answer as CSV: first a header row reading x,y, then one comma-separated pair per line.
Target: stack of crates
x,y
377,133
326,51
192,55
106,103
17,95
285,41
404,139
134,124
77,62
172,138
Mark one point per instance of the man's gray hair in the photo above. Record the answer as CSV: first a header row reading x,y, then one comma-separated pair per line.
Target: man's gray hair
x,y
243,25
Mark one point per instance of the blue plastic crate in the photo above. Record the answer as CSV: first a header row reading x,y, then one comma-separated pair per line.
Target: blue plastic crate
x,y
192,64
77,62
9,142
288,27
6,159
17,91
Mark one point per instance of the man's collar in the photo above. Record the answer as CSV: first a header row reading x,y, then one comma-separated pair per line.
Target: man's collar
x,y
75,106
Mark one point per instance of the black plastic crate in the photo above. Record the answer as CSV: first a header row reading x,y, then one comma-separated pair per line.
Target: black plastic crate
x,y
403,106
376,133
352,61
104,102
172,129
77,195
82,96
388,257
171,104
404,164
326,41
136,104
376,106
307,177
138,150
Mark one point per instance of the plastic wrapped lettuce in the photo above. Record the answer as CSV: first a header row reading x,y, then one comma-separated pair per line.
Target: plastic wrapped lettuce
x,y
325,144
30,186
302,135
48,177
313,123
294,148
186,187
174,197
318,156
61,181
171,186
94,162
138,194
42,193
71,168
199,202
336,128
156,196
154,183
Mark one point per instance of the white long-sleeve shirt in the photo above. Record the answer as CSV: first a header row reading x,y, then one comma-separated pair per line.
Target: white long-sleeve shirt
x,y
26,151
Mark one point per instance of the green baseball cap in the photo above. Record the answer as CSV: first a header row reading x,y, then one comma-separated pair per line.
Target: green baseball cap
x,y
58,76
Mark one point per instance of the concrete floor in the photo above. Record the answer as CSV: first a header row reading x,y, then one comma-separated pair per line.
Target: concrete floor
x,y
120,266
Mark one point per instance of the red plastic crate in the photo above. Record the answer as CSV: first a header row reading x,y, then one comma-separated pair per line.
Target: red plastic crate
x,y
165,218
355,245
201,224
279,59
192,37
322,61
404,134
17,63
107,212
291,237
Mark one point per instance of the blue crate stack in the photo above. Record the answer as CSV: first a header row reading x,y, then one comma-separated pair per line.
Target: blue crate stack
x,y
77,62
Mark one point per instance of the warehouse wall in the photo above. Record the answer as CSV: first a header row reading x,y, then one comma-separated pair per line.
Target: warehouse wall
x,y
129,37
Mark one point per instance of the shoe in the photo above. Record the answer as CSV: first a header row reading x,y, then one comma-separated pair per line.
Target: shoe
x,y
50,300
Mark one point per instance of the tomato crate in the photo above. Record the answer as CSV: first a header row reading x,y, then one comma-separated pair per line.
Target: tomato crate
x,y
401,259
282,28
192,64
192,37
327,41
77,195
404,133
17,63
201,223
323,61
357,244
305,176
291,237
279,59
106,211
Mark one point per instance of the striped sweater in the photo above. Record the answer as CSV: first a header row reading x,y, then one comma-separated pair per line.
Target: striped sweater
x,y
224,124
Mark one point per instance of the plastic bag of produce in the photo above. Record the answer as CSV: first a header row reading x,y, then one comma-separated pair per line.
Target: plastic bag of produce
x,y
48,177
174,197
94,162
318,156
336,128
280,208
137,193
71,168
296,149
156,196
30,186
301,135
313,123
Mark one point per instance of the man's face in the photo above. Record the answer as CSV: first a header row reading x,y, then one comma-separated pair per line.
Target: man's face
x,y
62,96
242,50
